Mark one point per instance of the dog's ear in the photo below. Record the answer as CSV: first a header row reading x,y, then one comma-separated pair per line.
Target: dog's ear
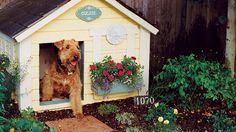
x,y
59,44
73,40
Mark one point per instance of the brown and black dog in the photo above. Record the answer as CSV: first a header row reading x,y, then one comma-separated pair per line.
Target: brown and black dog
x,y
63,76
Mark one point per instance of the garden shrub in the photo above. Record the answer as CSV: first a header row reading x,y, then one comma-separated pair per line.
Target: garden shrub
x,y
192,83
9,79
25,123
106,109
162,117
222,122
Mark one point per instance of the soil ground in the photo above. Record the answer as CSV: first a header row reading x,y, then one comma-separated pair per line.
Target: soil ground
x,y
187,120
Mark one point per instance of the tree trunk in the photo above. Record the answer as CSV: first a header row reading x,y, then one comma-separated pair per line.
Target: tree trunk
x,y
230,37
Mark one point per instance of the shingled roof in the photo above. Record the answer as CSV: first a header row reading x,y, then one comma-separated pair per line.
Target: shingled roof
x,y
20,14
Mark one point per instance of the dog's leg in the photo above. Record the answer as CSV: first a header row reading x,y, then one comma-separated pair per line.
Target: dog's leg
x,y
75,99
47,89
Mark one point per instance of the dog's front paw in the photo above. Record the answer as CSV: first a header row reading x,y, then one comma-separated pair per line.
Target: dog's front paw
x,y
79,116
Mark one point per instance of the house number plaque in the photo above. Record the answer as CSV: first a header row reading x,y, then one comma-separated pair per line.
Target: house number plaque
x,y
88,13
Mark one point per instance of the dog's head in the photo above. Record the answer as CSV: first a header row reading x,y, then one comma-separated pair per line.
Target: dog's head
x,y
68,53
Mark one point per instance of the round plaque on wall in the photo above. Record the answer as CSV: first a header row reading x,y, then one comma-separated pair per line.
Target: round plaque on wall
x,y
115,34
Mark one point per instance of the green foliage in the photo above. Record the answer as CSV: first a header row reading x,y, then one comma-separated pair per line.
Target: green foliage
x,y
222,122
27,113
24,124
107,109
128,72
125,118
9,78
163,118
133,129
191,83
4,61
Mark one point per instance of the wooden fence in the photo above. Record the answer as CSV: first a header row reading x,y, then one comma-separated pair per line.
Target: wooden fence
x,y
4,3
186,26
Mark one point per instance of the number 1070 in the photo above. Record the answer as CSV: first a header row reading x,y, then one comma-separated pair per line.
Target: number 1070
x,y
143,100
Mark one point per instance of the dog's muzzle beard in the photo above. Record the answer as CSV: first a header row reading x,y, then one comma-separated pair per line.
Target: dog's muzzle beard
x,y
68,68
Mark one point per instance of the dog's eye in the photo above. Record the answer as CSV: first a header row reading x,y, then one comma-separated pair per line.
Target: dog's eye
x,y
67,46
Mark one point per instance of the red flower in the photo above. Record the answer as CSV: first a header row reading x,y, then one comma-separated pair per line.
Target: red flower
x,y
121,73
129,72
93,67
119,66
133,58
105,73
110,62
110,77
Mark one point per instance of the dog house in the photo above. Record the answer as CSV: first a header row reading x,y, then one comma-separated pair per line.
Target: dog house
x,y
101,27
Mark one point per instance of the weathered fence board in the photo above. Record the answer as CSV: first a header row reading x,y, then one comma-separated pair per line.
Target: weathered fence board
x,y
186,26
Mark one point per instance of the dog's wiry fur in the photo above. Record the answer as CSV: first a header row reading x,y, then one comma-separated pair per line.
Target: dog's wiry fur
x,y
63,76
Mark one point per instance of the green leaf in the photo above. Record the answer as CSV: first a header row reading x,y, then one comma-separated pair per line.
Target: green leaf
x,y
181,92
2,88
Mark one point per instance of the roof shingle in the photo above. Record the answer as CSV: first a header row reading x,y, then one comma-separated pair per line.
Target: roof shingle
x,y
20,14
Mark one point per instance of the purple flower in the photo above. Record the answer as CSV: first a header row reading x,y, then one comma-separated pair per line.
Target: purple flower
x,y
105,84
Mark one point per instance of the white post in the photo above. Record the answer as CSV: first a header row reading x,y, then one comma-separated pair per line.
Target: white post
x,y
144,58
24,91
230,37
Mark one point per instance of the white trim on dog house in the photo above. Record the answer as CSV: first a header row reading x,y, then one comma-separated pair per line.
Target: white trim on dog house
x,y
24,91
144,60
133,16
40,23
57,12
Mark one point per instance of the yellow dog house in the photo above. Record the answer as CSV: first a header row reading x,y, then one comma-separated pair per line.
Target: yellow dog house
x,y
102,27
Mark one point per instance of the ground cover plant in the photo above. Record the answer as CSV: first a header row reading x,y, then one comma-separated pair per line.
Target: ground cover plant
x,y
125,118
222,122
107,109
133,129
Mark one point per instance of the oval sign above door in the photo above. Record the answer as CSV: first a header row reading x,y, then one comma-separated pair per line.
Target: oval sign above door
x,y
88,13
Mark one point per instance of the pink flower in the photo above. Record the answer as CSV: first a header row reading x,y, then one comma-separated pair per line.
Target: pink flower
x,y
119,66
133,58
129,72
93,67
105,73
110,77
121,73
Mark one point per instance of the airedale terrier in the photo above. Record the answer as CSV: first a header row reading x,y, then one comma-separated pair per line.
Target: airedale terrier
x,y
63,76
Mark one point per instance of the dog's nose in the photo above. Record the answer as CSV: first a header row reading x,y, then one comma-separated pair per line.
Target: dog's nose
x,y
76,57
